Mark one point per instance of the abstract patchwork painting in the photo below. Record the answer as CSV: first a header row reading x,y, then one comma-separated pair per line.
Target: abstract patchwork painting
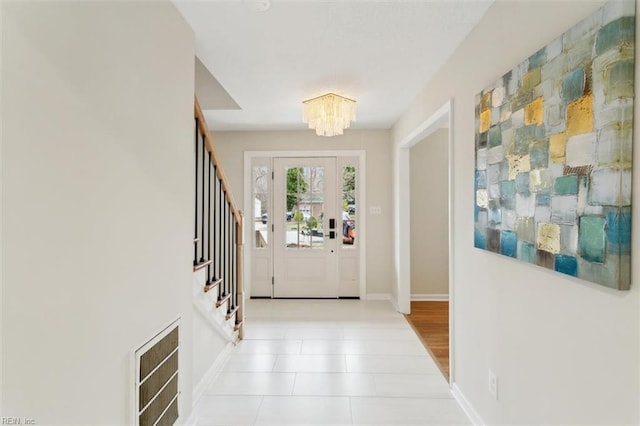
x,y
553,145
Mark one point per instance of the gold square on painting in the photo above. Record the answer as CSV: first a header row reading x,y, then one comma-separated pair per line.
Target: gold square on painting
x,y
485,120
580,116
557,147
518,164
485,102
549,237
534,112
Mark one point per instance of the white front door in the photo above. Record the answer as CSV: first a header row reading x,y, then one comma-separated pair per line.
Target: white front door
x,y
306,231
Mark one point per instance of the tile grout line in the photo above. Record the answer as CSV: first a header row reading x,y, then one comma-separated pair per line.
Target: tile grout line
x,y
255,420
351,409
295,380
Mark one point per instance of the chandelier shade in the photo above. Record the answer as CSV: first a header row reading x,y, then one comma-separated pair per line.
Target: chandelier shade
x,y
329,114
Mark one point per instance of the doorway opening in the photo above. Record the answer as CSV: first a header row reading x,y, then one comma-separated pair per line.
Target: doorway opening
x,y
410,248
429,275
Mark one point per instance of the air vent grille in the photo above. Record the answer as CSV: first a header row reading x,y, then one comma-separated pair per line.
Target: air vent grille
x,y
157,387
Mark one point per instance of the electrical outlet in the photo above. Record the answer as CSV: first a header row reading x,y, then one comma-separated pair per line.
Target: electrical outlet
x,y
493,384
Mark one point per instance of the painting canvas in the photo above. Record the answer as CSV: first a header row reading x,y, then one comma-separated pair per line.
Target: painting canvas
x,y
553,145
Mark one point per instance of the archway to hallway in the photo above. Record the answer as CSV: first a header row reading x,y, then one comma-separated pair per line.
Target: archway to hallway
x,y
429,242
442,118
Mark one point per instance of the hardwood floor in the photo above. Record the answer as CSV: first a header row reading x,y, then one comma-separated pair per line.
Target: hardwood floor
x,y
430,320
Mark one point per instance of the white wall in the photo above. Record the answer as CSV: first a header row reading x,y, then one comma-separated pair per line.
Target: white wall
x,y
429,171
207,347
97,201
231,147
565,351
212,335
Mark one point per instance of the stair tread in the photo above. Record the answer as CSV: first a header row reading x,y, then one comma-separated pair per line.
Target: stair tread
x,y
233,311
201,265
213,284
224,299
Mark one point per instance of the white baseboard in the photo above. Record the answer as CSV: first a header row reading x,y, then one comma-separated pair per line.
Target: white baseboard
x,y
430,297
379,296
384,296
466,406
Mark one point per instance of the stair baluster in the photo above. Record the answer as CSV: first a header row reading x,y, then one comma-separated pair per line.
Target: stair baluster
x,y
195,221
219,240
225,271
235,266
234,287
204,159
230,263
209,236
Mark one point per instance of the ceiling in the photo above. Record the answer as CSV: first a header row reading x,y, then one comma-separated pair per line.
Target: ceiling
x,y
269,56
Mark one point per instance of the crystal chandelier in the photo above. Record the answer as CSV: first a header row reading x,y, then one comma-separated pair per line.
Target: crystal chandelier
x,y
329,114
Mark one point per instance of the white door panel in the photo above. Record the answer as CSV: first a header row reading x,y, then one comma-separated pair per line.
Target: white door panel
x,y
305,254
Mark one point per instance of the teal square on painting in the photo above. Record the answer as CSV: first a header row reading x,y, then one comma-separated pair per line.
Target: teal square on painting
x,y
509,243
508,194
566,185
573,85
480,239
481,179
616,33
566,264
539,154
543,198
526,252
495,136
538,59
522,183
592,239
508,189
619,228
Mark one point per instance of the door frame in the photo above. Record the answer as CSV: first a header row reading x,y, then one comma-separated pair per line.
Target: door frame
x,y
443,117
362,190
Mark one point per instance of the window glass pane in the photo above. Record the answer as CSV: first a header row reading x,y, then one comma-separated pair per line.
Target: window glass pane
x,y
305,207
261,206
349,208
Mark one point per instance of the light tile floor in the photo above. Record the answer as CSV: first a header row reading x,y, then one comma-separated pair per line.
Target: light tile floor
x,y
328,362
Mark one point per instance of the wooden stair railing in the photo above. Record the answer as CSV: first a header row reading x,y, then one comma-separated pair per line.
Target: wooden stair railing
x,y
218,230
